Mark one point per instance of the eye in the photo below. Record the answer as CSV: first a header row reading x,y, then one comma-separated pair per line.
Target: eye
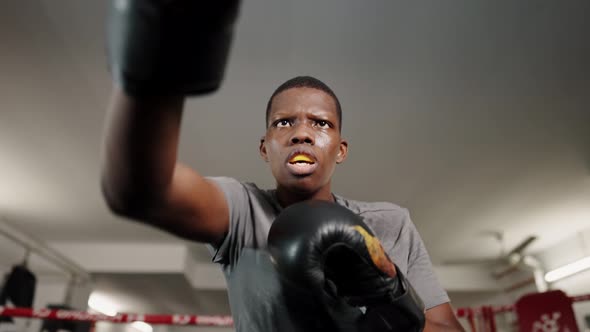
x,y
282,123
323,124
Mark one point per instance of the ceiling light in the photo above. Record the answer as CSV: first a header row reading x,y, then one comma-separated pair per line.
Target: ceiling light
x,y
568,270
142,326
102,304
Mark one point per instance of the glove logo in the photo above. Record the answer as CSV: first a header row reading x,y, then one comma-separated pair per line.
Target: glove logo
x,y
378,256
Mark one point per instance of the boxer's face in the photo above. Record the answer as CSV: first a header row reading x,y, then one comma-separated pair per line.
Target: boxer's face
x,y
302,142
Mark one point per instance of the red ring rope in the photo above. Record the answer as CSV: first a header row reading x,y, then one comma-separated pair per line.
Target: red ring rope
x,y
199,320
119,318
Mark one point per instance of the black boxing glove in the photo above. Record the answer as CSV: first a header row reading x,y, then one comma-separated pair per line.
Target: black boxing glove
x,y
162,47
324,246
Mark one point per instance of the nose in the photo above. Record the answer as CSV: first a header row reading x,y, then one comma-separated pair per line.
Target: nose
x,y
302,135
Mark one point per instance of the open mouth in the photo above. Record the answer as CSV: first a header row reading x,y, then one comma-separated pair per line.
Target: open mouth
x,y
301,164
301,159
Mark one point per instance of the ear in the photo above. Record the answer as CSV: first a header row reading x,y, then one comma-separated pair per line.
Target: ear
x,y
262,149
343,152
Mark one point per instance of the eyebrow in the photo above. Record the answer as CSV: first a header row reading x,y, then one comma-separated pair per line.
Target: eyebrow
x,y
317,112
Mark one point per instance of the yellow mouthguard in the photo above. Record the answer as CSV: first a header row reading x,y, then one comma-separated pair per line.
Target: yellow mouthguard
x,y
301,157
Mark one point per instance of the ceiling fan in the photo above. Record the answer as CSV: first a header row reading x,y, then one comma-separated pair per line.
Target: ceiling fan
x,y
510,260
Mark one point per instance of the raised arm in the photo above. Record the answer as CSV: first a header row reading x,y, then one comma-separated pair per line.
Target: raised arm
x,y
160,52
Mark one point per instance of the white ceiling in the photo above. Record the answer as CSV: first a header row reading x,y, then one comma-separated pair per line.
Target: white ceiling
x,y
472,114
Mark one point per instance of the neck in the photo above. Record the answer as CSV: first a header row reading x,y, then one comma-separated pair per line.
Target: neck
x,y
287,197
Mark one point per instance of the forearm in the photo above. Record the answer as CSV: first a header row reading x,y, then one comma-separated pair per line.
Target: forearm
x,y
140,146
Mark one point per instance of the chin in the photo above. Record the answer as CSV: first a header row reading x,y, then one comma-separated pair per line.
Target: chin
x,y
305,185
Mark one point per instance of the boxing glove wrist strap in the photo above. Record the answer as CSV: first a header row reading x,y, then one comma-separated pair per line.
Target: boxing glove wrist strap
x,y
402,313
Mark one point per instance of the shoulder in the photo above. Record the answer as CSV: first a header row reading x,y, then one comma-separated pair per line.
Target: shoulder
x,y
233,184
387,213
245,194
390,222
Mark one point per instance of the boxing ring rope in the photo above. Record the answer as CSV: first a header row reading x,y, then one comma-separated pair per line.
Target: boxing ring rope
x,y
221,321
464,312
155,319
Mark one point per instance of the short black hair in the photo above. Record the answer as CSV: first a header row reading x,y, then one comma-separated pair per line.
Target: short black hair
x,y
306,82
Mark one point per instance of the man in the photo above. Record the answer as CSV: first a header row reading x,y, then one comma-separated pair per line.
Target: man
x,y
142,180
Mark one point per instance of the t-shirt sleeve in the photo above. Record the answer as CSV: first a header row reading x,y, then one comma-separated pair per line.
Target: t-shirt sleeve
x,y
420,271
238,201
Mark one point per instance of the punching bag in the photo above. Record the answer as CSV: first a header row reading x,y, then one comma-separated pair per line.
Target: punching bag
x,y
19,287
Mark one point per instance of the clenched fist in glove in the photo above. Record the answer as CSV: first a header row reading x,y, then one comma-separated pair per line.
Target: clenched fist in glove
x,y
163,47
327,248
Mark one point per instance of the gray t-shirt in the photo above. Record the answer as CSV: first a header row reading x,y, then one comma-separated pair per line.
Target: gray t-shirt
x,y
261,303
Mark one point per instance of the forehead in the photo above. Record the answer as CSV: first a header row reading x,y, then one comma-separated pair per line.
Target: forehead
x,y
303,98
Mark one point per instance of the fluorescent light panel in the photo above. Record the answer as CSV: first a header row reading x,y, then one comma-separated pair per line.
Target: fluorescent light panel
x,y
568,270
142,326
102,304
